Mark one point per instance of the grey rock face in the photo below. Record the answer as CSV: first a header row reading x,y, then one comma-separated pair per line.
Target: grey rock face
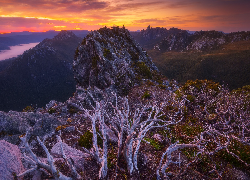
x,y
13,124
77,156
69,151
10,161
45,125
110,57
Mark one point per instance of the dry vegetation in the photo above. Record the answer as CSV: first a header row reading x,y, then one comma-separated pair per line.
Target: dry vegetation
x,y
200,131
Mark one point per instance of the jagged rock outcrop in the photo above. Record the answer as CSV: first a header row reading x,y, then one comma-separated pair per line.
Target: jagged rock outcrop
x,y
153,33
110,58
64,35
175,42
10,161
150,37
206,40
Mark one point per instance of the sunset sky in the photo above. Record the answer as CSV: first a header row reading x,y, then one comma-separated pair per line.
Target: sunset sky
x,y
43,15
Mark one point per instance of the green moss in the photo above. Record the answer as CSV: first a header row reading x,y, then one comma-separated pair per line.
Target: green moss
x,y
170,108
106,53
178,94
51,110
112,158
95,59
191,130
198,85
14,176
203,165
192,119
58,128
161,86
157,145
86,139
134,56
150,83
229,158
190,153
143,70
146,95
28,109
185,132
191,98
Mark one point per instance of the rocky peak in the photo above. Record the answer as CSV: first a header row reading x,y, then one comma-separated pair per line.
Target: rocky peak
x,y
153,33
64,35
111,58
238,36
206,40
176,41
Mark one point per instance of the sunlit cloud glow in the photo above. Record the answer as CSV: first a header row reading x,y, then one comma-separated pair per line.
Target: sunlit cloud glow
x,y
42,15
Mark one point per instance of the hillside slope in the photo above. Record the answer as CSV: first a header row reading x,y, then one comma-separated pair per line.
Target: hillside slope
x,y
213,55
40,74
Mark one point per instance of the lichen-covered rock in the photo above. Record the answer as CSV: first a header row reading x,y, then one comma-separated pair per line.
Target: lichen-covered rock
x,y
110,57
14,124
45,125
10,161
77,156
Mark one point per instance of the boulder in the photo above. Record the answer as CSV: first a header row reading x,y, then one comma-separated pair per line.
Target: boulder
x,y
10,161
77,156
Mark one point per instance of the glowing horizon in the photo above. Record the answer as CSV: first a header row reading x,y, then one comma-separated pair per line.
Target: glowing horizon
x,y
193,15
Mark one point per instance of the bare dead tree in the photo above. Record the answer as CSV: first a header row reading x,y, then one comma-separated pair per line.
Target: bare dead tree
x,y
132,126
225,119
36,163
97,115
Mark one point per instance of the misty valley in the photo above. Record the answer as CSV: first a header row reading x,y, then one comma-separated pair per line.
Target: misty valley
x,y
16,50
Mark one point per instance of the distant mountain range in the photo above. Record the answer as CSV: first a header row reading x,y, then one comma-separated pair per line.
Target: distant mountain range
x,y
176,39
15,38
213,55
39,74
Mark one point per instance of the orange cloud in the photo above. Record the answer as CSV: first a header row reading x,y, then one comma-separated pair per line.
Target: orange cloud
x,y
40,15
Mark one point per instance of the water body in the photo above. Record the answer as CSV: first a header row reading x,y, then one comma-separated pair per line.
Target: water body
x,y
16,50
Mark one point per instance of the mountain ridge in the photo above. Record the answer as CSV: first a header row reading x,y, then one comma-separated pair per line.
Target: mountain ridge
x,y
40,74
213,55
